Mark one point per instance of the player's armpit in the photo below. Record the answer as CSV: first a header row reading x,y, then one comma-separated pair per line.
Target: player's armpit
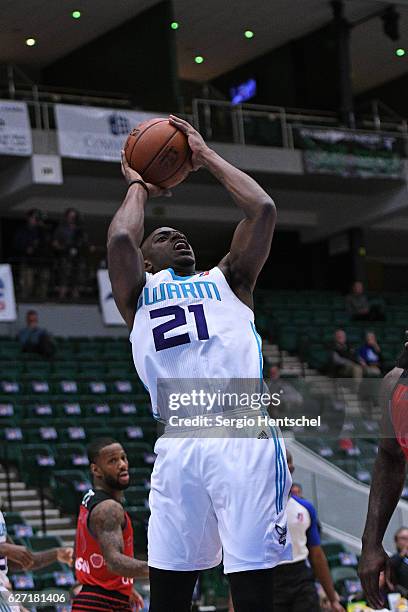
x,y
106,522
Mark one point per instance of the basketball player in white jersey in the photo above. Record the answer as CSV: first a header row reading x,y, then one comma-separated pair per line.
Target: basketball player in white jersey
x,y
211,497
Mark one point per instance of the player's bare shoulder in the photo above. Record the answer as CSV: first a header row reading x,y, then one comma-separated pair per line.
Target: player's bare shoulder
x,y
388,439
108,515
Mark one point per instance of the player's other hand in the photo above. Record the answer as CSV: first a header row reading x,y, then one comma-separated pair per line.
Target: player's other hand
x,y
20,555
195,140
373,561
65,555
131,175
136,600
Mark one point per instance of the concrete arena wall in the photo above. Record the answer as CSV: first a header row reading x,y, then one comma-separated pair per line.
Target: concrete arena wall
x,y
65,320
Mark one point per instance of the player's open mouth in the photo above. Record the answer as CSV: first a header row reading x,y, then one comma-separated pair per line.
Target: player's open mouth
x,y
181,245
124,476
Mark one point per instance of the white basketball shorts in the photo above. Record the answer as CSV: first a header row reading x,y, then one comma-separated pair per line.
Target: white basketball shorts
x,y
215,499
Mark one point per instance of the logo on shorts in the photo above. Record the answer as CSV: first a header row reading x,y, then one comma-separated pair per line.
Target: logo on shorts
x,y
282,533
263,436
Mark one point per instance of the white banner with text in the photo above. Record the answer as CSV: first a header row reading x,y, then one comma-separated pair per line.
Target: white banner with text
x,y
89,132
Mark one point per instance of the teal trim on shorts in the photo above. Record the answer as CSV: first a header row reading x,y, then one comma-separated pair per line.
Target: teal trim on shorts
x,y
279,487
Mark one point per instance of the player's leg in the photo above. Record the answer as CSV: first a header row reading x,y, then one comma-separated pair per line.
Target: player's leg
x,y
171,591
305,596
253,591
183,534
249,485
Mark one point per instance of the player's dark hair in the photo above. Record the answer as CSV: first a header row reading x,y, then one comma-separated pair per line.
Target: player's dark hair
x,y
31,312
94,447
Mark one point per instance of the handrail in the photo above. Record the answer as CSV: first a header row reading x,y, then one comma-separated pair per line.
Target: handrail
x,y
218,120
274,126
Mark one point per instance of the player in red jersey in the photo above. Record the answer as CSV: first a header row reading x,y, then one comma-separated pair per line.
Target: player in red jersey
x,y
387,482
104,561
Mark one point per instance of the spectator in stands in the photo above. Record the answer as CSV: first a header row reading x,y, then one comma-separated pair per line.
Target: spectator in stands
x,y
31,248
359,306
35,339
289,396
296,489
370,355
399,561
294,586
70,243
344,360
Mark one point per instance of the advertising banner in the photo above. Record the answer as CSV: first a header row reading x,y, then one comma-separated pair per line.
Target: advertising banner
x,y
110,313
7,298
15,130
89,132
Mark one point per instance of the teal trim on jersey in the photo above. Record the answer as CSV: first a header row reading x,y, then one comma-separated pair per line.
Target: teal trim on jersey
x,y
259,345
282,479
278,450
180,278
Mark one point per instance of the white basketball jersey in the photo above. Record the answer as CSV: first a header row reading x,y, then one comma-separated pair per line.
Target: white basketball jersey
x,y
193,327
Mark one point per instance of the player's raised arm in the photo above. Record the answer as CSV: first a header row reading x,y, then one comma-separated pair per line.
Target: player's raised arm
x,y
387,482
125,235
106,522
253,237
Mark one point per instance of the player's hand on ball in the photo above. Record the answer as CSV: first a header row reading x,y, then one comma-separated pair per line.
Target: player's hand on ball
x,y
65,555
131,175
195,140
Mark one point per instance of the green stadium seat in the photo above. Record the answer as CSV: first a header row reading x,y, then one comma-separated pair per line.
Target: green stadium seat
x,y
140,477
139,516
71,455
332,548
136,495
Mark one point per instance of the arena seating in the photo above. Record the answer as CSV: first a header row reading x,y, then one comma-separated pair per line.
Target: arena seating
x,y
304,322
49,410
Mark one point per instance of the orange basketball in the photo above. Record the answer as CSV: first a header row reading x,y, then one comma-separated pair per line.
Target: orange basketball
x,y
159,152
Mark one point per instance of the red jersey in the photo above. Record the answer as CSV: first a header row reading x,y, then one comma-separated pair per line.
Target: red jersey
x,y
90,566
399,411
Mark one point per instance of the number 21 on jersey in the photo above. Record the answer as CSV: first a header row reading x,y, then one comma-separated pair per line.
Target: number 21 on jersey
x,y
179,316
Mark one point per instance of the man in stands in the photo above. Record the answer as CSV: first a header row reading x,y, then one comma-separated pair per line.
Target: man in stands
x,y
370,355
344,360
360,308
387,482
31,249
104,560
35,339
